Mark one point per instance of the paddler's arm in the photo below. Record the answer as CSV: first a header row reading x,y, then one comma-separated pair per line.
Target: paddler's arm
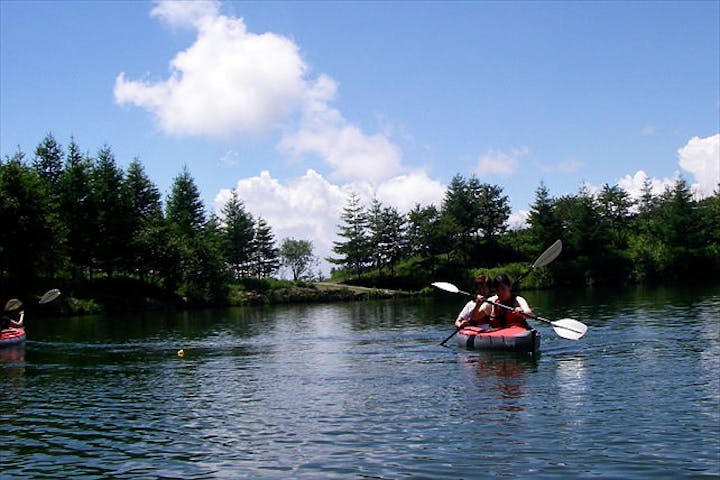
x,y
523,305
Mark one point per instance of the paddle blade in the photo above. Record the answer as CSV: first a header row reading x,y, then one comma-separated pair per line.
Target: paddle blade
x,y
49,296
448,287
569,328
12,304
548,255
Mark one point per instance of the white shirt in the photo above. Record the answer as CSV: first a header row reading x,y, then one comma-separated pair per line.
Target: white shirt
x,y
470,306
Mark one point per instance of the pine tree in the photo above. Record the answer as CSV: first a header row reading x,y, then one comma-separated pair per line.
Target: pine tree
x,y
265,258
354,251
27,236
112,234
238,231
78,210
185,211
146,222
49,163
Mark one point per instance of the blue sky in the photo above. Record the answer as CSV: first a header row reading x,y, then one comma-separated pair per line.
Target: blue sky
x,y
383,98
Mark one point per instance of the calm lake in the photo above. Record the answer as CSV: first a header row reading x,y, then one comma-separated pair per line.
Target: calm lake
x,y
363,390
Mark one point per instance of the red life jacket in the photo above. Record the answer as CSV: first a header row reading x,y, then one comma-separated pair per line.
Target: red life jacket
x,y
501,318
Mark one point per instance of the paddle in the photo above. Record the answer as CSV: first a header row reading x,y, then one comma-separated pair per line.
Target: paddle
x,y
544,259
49,296
568,328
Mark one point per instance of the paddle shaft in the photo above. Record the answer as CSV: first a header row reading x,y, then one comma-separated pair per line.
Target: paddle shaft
x,y
442,344
529,315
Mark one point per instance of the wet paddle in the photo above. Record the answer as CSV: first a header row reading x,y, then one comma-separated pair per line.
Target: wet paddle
x,y
568,328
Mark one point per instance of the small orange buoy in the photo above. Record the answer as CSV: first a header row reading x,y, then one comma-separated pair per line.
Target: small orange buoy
x,y
181,353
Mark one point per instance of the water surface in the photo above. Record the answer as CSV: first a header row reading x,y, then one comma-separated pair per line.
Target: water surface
x,y
362,390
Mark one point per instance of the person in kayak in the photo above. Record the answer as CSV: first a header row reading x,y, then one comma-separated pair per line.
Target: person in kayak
x,y
500,317
7,322
475,311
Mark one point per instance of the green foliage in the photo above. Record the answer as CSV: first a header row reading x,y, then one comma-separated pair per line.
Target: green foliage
x,y
79,219
297,255
237,236
355,250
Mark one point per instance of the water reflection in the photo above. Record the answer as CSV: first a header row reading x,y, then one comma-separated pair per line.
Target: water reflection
x,y
502,378
12,363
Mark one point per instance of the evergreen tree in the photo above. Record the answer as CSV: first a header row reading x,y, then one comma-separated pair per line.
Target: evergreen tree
x,y
146,222
112,233
460,205
78,210
265,258
28,235
491,209
49,163
544,222
237,235
354,251
185,210
387,235
614,209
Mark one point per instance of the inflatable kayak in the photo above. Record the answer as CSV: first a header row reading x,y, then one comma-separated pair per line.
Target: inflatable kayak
x,y
510,339
12,336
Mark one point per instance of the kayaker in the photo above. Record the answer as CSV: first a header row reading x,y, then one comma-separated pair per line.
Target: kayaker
x,y
500,317
475,311
7,322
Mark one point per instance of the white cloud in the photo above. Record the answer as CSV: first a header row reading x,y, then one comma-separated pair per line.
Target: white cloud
x,y
309,207
633,184
519,219
187,13
233,82
404,191
701,157
648,130
351,153
229,82
500,163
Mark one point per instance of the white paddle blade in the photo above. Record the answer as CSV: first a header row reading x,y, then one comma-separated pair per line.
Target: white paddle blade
x,y
548,255
448,287
569,328
49,296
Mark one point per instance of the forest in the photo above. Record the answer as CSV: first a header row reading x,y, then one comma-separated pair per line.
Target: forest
x,y
74,219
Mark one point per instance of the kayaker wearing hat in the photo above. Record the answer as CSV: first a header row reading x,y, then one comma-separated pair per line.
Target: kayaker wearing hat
x,y
475,311
7,322
502,318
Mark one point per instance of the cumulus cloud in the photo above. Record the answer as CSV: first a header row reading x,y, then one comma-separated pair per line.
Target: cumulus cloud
x,y
350,152
701,157
232,82
309,207
405,191
518,219
634,184
496,162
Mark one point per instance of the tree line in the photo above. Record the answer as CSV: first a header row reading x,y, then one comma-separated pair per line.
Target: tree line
x,y
70,216
75,217
608,237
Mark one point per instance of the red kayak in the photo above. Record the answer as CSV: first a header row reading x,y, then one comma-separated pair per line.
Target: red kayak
x,y
510,339
12,336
